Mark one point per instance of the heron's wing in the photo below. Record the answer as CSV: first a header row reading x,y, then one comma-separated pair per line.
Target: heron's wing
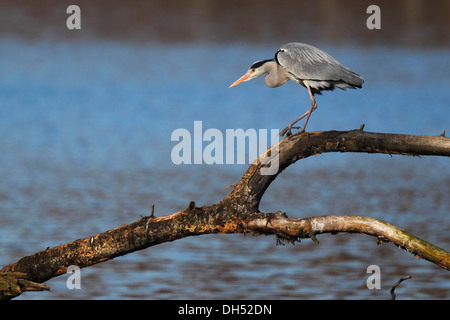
x,y
306,62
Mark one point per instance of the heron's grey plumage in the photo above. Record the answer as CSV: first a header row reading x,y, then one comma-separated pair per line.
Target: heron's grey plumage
x,y
322,71
276,75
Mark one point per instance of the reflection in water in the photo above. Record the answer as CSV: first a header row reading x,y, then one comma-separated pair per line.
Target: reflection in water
x,y
85,132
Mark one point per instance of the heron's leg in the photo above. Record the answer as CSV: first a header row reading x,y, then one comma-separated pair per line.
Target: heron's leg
x,y
290,125
313,107
307,113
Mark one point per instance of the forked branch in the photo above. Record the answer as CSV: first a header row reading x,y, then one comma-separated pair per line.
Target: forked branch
x,y
239,212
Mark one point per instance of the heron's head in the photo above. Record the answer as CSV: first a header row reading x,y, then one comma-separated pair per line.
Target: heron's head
x,y
255,70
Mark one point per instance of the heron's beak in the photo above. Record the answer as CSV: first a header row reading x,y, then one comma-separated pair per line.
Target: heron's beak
x,y
245,77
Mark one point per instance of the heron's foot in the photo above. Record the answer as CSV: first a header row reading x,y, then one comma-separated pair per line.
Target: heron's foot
x,y
290,126
287,131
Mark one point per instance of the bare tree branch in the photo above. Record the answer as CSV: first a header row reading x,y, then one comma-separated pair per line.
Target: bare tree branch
x,y
239,212
253,184
397,284
309,227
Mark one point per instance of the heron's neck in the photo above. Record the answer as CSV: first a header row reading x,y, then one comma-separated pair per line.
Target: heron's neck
x,y
276,75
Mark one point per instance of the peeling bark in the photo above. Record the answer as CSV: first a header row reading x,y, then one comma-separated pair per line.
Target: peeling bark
x,y
383,231
239,212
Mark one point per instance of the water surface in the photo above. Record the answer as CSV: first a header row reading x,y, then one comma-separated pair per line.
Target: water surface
x,y
85,133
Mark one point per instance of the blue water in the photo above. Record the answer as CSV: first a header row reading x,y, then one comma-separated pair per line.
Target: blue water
x,y
85,144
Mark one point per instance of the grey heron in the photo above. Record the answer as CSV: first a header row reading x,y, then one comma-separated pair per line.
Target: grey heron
x,y
308,66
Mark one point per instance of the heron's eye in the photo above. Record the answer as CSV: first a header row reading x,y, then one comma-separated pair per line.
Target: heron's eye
x,y
253,69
